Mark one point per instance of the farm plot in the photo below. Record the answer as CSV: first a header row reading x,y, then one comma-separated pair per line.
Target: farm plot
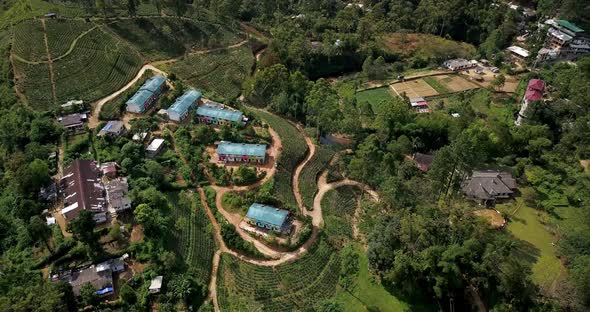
x,y
219,74
294,150
97,66
293,286
308,179
29,42
455,83
62,33
414,88
165,38
338,207
34,82
194,243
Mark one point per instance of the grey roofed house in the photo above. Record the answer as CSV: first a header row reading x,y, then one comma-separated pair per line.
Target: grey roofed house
x,y
117,195
488,186
113,128
100,275
73,121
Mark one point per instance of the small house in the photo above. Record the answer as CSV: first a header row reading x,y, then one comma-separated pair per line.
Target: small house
x,y
241,152
423,161
486,187
147,95
420,105
73,122
117,195
156,285
459,64
182,106
154,148
113,128
534,92
218,115
109,169
518,52
268,217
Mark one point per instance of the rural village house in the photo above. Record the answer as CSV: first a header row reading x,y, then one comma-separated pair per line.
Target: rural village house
x,y
241,152
73,122
83,190
565,40
268,217
420,105
534,92
113,128
182,106
459,64
486,187
154,148
218,115
147,95
423,161
117,195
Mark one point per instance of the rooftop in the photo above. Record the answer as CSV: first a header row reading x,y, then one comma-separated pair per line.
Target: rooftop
x,y
267,214
82,188
155,145
113,126
219,113
184,102
570,26
534,90
228,148
518,51
489,184
153,84
72,119
559,34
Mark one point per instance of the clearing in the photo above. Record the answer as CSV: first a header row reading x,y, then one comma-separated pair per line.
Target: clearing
x,y
414,88
426,46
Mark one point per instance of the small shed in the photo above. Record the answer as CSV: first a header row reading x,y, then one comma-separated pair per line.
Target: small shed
x,y
156,285
155,147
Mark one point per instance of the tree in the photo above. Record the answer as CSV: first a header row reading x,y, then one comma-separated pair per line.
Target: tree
x,y
322,107
83,230
88,296
128,294
368,67
39,231
131,7
498,82
155,171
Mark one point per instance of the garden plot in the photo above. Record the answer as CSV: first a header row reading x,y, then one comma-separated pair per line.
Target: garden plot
x,y
455,83
414,88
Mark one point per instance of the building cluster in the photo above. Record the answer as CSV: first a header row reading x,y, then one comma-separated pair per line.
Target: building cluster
x,y
564,40
86,185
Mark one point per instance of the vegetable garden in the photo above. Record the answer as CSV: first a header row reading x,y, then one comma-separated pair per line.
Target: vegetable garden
x,y
294,150
194,241
338,207
298,285
29,42
308,179
218,74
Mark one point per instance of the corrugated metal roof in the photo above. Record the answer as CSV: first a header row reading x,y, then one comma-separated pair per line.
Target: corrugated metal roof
x,y
153,83
267,214
139,98
146,91
569,26
184,102
228,148
219,113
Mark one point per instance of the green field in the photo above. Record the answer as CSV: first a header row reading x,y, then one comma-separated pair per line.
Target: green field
x,y
525,225
293,152
165,38
436,85
374,96
218,74
299,285
338,207
62,35
309,174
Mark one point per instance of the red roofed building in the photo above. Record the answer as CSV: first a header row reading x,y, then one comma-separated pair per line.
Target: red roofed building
x,y
534,92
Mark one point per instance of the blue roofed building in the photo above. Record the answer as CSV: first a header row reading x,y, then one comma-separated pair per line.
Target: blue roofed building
x,y
268,217
241,152
218,115
147,95
182,106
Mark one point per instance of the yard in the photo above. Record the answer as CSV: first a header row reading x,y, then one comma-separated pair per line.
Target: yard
x,y
538,242
415,88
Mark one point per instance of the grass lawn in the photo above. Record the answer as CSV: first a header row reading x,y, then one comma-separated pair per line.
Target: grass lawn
x,y
525,225
436,85
374,96
370,294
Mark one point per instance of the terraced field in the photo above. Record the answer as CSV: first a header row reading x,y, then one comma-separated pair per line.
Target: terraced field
x,y
308,180
293,286
194,243
34,82
219,74
62,33
294,150
29,41
338,207
165,38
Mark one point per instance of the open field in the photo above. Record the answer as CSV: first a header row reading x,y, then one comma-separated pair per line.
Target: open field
x,y
414,88
455,83
338,207
510,85
525,225
423,45
374,96
219,74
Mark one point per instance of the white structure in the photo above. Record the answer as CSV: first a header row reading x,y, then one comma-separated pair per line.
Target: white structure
x,y
156,285
155,147
518,52
459,64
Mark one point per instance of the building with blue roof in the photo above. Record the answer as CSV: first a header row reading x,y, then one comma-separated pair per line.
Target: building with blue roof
x,y
241,152
268,217
147,95
182,106
218,115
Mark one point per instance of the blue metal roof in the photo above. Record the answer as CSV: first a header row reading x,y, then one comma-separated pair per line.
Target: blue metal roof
x,y
239,149
146,91
184,102
219,113
267,214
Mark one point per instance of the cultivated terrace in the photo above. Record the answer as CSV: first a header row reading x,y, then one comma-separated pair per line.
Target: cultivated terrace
x,y
309,155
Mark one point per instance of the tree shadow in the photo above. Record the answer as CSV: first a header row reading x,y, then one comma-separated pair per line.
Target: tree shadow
x,y
526,251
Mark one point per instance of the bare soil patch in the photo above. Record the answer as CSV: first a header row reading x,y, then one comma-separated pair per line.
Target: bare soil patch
x,y
456,83
493,217
414,88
